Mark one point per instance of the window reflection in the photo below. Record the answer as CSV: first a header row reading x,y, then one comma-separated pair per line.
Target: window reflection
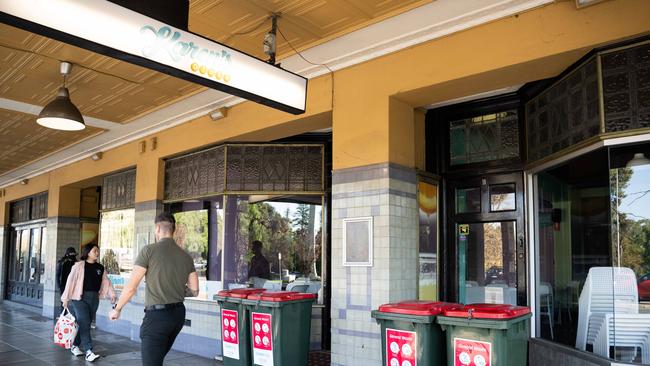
x,y
219,233
290,233
594,253
116,244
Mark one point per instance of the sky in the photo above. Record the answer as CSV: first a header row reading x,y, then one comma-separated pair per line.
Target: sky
x,y
637,201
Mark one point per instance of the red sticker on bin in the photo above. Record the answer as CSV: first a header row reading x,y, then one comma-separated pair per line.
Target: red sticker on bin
x,y
468,352
262,339
230,327
400,348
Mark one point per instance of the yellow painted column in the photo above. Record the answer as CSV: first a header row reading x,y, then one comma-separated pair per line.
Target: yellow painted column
x,y
374,179
149,179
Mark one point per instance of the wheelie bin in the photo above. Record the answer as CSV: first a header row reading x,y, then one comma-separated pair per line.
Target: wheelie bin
x,y
234,325
410,335
280,325
486,335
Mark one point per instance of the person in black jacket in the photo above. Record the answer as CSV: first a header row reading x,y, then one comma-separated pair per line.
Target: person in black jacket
x,y
63,267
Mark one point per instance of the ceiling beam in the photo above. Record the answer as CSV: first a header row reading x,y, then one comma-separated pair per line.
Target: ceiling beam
x,y
27,108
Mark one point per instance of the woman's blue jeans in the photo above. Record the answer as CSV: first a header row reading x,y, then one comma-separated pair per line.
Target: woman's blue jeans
x,y
83,311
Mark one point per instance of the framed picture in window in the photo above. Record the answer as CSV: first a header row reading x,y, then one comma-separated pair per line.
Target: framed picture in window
x,y
357,242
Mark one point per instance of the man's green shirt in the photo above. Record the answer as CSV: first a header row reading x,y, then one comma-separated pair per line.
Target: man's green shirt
x,y
168,267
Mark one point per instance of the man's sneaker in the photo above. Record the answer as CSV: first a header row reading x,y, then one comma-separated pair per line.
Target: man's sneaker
x,y
90,356
76,351
93,325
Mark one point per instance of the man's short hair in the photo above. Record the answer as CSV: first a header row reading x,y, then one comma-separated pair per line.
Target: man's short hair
x,y
167,220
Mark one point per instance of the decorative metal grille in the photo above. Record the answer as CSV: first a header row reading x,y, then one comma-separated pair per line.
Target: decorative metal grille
x,y
488,137
626,88
565,114
118,191
30,208
195,175
39,206
20,210
245,168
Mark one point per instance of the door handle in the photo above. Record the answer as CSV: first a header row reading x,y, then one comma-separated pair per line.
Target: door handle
x,y
522,248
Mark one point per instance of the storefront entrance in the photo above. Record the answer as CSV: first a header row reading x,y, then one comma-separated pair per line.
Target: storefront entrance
x,y
25,262
486,239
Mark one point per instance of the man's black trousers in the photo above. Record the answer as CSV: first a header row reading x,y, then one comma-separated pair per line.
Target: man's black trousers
x,y
158,331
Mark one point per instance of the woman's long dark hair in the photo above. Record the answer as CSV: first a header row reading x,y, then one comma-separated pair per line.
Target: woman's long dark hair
x,y
86,249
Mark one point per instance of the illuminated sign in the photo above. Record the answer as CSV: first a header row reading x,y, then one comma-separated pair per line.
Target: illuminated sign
x,y
118,32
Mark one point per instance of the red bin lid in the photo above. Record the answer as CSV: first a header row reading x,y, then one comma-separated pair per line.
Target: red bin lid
x,y
281,296
488,311
417,307
240,293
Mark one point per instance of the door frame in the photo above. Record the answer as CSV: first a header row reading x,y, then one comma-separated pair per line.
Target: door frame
x,y
518,216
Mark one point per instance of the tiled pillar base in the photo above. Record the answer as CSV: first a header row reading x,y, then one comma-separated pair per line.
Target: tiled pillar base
x,y
387,192
62,232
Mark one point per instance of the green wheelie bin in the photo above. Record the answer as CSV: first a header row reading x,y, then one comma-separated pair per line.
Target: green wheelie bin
x,y
234,325
409,333
487,335
280,324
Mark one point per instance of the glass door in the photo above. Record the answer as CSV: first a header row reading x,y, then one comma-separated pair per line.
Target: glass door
x,y
487,263
487,253
25,282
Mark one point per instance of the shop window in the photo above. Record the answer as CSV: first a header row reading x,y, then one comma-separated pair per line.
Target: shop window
x,y
116,244
219,234
593,244
428,240
290,232
488,137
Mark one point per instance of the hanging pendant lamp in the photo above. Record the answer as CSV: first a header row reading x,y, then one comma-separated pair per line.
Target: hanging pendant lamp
x,y
639,159
61,114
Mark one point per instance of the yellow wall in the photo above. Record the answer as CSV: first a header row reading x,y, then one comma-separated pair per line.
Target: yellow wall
x,y
534,45
372,108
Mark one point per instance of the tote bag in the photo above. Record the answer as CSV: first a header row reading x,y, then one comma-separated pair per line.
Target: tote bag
x,y
65,330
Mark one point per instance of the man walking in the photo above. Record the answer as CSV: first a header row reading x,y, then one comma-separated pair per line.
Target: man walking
x,y
170,276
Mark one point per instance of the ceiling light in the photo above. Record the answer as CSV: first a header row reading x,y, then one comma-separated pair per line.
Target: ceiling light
x,y
96,156
219,113
61,114
24,181
637,160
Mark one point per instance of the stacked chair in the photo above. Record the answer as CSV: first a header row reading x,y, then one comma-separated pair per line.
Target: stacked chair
x,y
609,314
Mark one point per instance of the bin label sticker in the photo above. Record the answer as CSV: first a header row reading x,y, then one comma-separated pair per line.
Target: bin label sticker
x,y
468,352
400,348
230,327
262,339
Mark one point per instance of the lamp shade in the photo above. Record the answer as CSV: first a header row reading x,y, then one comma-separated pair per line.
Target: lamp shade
x,y
61,114
637,160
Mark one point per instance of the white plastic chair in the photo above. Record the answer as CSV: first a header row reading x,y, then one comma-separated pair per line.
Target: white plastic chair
x,y
259,282
546,303
273,285
314,287
623,330
232,286
298,287
606,290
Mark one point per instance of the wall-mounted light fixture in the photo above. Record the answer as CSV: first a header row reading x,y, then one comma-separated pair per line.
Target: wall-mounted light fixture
x,y
61,114
24,181
219,113
97,156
